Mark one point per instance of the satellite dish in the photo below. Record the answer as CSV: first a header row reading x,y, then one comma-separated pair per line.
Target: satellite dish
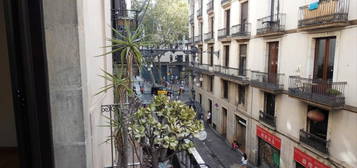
x,y
201,135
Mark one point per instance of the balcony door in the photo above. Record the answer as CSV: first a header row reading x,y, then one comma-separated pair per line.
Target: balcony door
x,y
269,104
210,52
226,56
210,111
324,58
227,21
224,121
211,25
273,49
244,16
242,59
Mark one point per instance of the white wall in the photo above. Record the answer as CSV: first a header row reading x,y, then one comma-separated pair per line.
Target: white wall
x,y
94,27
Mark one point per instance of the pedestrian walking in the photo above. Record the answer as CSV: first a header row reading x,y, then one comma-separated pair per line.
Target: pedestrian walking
x,y
244,161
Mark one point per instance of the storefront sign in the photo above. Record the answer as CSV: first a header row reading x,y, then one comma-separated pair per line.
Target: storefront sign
x,y
268,137
306,160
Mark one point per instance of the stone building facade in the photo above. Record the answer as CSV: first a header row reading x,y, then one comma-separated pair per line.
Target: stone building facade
x,y
278,77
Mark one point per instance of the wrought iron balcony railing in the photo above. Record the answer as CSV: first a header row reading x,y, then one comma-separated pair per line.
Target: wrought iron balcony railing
x,y
327,12
210,6
204,67
267,118
269,81
199,12
314,141
240,30
318,91
198,38
209,36
223,33
234,73
271,24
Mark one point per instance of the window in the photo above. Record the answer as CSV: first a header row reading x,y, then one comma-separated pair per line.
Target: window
x,y
269,104
211,25
210,58
242,59
317,121
201,28
225,89
227,20
210,83
200,54
324,58
241,94
226,56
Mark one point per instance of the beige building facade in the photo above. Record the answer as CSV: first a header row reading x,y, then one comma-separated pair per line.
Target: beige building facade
x,y
278,77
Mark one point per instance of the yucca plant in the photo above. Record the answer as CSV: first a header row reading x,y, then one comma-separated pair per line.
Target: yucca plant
x,y
127,44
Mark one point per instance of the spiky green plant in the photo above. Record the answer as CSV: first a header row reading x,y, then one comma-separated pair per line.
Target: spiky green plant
x,y
127,44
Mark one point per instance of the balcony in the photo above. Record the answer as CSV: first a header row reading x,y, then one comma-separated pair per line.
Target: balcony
x,y
199,13
210,7
198,39
316,142
267,118
271,25
225,3
270,82
209,37
223,34
326,93
328,13
204,68
230,73
241,31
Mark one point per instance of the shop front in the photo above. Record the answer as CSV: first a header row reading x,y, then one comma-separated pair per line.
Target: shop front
x,y
304,160
268,149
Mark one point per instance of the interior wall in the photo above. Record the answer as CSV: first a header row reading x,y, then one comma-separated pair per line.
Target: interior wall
x,y
7,117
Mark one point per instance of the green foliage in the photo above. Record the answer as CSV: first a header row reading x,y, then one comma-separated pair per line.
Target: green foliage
x,y
165,124
333,92
166,22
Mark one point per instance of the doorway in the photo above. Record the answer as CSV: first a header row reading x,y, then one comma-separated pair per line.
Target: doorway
x,y
9,154
240,133
224,122
228,21
244,17
273,50
26,94
242,59
209,112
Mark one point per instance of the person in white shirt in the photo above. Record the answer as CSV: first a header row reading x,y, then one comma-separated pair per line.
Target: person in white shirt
x,y
244,161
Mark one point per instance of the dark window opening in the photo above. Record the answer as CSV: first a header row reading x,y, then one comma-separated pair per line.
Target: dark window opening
x,y
269,103
225,89
317,121
324,58
242,59
226,56
241,94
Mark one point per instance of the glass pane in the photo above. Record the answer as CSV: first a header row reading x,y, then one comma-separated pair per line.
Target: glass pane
x,y
319,58
331,58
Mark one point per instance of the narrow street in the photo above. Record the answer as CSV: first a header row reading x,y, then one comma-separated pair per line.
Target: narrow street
x,y
216,152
